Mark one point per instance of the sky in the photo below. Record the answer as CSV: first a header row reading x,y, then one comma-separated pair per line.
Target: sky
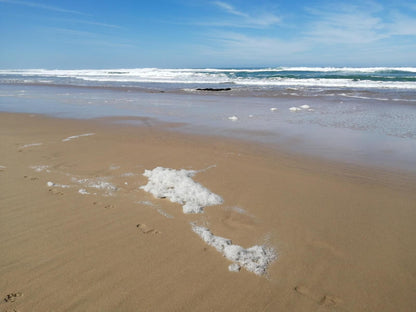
x,y
84,34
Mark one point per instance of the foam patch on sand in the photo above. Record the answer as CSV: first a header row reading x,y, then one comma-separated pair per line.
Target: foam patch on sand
x,y
97,183
83,192
31,145
255,259
52,184
178,187
76,137
40,168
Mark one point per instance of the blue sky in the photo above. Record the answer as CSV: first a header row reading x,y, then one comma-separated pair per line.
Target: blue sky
x,y
193,33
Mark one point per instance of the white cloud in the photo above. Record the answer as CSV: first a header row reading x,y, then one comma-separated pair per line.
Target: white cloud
x,y
243,19
239,47
402,26
368,22
79,21
342,33
87,38
42,6
71,32
229,8
352,25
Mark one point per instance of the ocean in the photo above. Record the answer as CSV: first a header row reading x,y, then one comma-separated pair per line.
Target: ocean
x,y
400,78
364,115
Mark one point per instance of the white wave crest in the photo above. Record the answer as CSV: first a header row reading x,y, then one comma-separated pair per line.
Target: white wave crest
x,y
253,77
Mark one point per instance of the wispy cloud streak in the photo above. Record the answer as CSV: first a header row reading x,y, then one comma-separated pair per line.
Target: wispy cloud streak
x,y
229,8
79,21
242,47
89,38
358,24
244,20
42,6
402,25
349,24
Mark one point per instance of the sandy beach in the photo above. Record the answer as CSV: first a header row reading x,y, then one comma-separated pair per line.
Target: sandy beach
x,y
78,233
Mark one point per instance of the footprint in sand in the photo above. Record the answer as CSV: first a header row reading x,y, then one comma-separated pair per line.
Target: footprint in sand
x,y
12,297
55,191
106,206
31,178
329,301
145,229
325,300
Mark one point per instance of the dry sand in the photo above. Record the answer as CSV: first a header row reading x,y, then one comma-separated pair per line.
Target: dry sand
x,y
345,236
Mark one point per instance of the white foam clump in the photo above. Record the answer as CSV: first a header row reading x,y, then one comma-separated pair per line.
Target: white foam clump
x,y
302,107
76,136
178,187
51,184
40,168
83,192
235,267
233,118
97,183
30,145
273,109
255,259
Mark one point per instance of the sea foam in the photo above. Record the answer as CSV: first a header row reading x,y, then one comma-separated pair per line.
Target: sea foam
x,y
52,184
76,137
31,145
255,259
178,187
99,183
40,168
370,77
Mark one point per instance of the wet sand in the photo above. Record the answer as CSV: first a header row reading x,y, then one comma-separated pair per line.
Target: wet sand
x,y
344,235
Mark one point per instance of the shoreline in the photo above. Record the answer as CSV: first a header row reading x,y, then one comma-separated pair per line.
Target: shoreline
x,y
334,127
119,248
389,176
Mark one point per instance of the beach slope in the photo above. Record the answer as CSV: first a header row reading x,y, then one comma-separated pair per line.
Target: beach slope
x,y
79,234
